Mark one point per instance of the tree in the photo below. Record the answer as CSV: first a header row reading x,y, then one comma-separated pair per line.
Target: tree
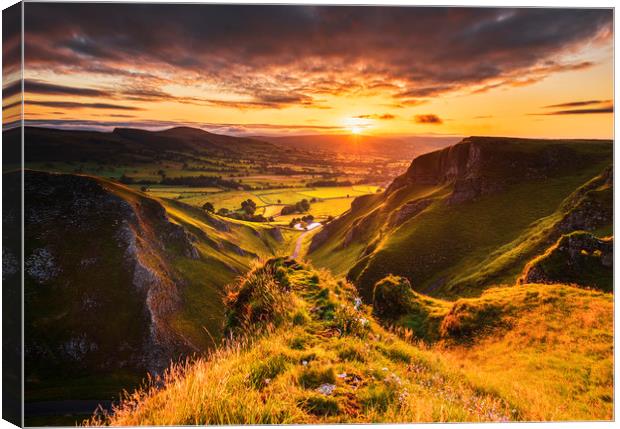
x,y
208,207
223,211
248,206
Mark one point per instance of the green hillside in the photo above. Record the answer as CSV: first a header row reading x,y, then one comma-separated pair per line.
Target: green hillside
x,y
112,272
303,350
472,215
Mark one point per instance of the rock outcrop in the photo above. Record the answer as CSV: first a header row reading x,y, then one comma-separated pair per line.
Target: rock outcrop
x,y
578,258
408,211
590,207
481,165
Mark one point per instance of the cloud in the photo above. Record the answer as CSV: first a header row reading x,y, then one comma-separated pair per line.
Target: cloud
x,y
39,87
606,109
595,106
76,105
578,104
428,119
280,56
383,117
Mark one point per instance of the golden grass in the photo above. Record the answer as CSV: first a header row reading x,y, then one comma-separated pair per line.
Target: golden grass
x,y
328,362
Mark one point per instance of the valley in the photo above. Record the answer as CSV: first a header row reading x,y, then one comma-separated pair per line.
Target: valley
x,y
343,289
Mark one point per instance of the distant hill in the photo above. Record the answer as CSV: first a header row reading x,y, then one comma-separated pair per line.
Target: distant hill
x,y
117,283
472,215
391,147
134,145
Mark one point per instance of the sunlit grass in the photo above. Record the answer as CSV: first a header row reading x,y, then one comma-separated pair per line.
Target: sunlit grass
x,y
551,360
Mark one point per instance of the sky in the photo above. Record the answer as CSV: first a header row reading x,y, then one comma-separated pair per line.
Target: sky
x,y
258,70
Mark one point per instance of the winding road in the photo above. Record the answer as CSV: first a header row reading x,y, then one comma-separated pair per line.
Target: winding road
x,y
300,239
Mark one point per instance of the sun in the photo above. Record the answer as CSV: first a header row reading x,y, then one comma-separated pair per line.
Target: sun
x,y
356,125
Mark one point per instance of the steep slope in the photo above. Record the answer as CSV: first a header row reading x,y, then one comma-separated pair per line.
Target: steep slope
x,y
471,215
304,350
111,272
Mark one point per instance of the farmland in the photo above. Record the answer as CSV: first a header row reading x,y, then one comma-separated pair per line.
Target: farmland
x,y
325,201
221,170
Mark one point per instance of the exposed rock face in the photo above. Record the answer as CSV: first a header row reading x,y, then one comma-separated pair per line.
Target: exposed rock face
x,y
408,211
577,258
361,228
319,238
97,279
483,165
591,207
218,224
276,233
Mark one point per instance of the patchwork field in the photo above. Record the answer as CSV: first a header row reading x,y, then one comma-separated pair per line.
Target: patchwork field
x,y
324,201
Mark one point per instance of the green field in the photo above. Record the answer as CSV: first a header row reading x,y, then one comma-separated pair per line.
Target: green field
x,y
328,201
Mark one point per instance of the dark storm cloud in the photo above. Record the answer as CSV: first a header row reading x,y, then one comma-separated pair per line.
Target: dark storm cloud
x,y
267,52
428,119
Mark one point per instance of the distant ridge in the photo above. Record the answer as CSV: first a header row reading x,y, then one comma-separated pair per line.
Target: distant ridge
x,y
394,147
131,144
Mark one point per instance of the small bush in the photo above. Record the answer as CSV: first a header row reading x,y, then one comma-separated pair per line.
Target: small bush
x,y
258,300
392,297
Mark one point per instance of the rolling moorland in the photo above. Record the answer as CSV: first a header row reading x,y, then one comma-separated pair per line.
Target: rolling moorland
x,y
474,284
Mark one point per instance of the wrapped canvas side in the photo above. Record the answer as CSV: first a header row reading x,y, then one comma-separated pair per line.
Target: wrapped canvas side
x,y
12,214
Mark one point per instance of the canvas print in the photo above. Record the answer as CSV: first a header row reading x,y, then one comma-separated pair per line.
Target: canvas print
x,y
291,214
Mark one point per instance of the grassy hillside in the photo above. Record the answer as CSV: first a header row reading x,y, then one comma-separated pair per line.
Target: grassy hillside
x,y
472,215
113,272
303,350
